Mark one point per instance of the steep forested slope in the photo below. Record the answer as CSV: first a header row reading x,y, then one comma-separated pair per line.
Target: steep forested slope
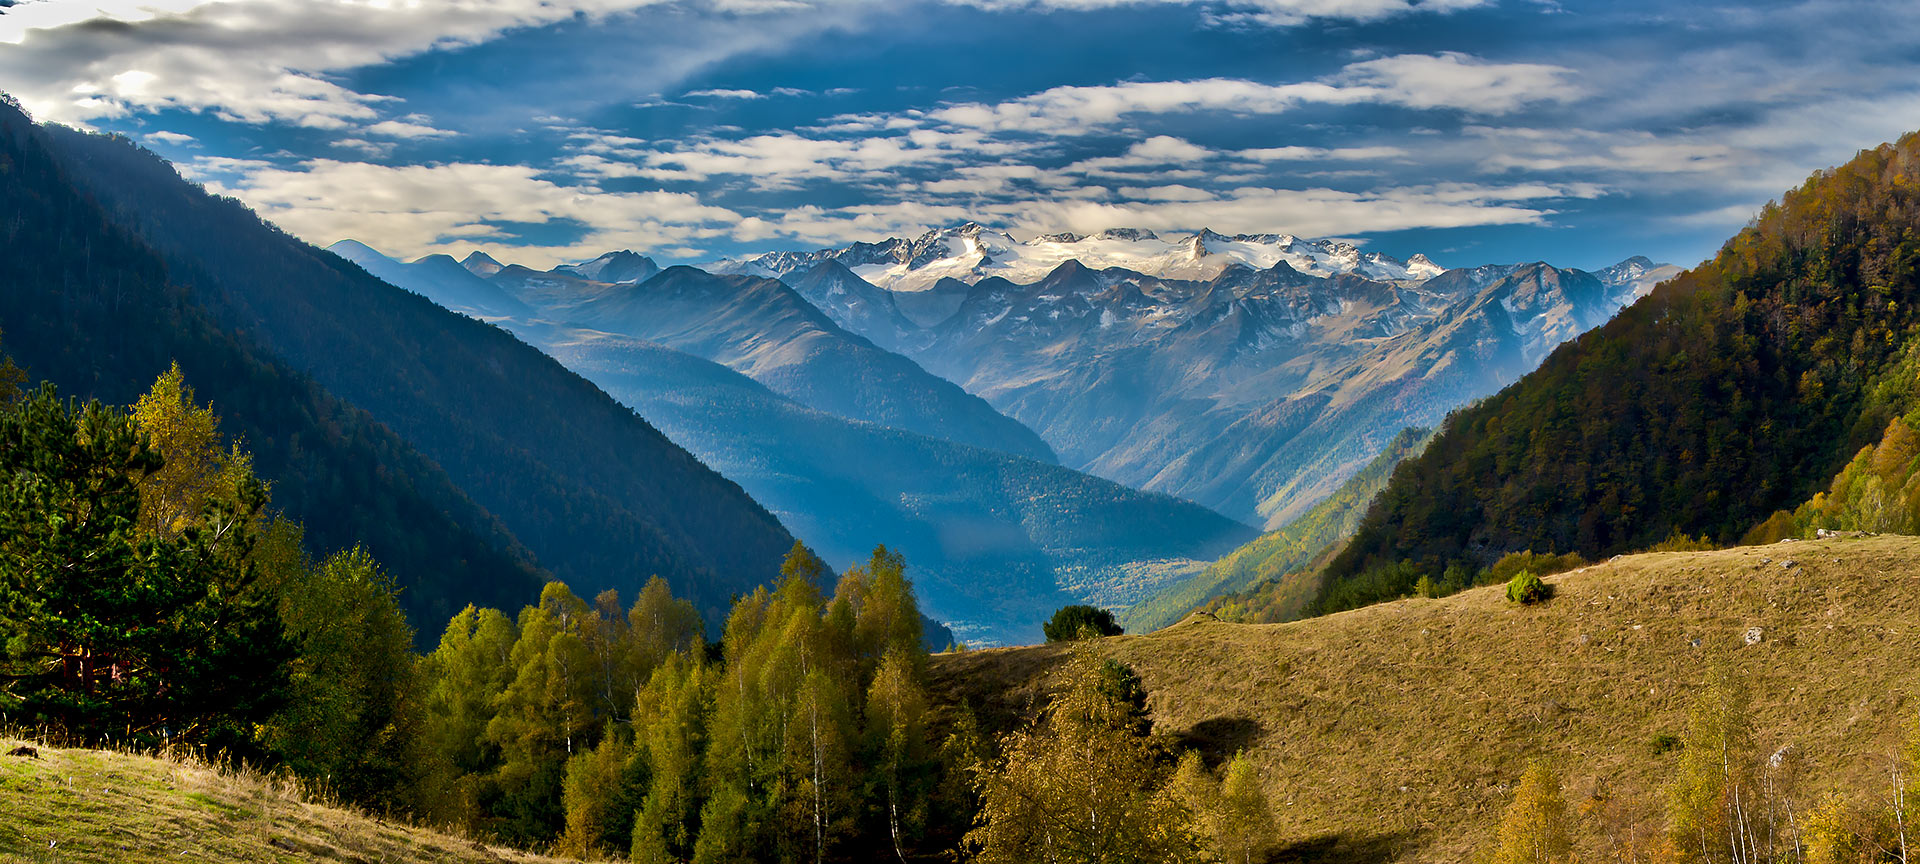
x,y
599,496
91,309
1736,389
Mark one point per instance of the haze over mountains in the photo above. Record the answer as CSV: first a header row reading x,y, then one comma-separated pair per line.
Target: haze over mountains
x,y
1252,373
997,540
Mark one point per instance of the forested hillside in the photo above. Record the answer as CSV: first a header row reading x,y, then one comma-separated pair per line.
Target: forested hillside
x,y
96,312
1737,389
600,497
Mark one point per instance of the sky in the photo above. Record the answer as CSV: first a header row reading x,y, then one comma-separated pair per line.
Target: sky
x,y
545,131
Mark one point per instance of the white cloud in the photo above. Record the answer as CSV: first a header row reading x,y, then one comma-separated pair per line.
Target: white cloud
x,y
727,94
1452,80
405,129
171,139
413,210
1264,13
1422,81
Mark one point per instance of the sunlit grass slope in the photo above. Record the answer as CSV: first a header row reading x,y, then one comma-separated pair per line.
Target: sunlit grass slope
x,y
1397,731
97,805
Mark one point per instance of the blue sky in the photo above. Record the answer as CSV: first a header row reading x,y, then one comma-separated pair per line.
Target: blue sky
x,y
542,131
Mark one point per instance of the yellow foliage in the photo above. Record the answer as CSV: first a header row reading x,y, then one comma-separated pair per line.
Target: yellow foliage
x,y
1534,829
197,470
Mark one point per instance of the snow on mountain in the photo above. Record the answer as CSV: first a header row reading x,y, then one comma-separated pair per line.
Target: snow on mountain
x,y
970,253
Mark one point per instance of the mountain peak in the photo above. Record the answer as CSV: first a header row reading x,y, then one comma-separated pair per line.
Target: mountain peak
x,y
481,264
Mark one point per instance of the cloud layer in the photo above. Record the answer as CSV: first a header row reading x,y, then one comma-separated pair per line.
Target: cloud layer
x,y
547,130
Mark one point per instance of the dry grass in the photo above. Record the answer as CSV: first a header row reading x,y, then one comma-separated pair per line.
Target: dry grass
x,y
73,805
1397,731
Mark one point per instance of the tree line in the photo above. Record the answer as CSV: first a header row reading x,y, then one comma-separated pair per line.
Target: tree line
x,y
149,597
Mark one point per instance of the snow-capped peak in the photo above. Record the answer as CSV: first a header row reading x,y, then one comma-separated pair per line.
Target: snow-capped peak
x,y
970,252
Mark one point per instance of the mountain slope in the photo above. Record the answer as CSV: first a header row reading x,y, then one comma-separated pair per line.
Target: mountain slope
x,y
1272,567
996,542
600,497
1397,732
1258,392
762,329
96,312
99,805
1739,388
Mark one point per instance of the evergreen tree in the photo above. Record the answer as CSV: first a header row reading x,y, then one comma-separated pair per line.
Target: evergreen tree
x,y
107,631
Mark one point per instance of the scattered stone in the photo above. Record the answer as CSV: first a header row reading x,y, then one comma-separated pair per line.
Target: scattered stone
x,y
1766,560
1695,642
1789,539
1789,564
1754,635
1582,639
25,752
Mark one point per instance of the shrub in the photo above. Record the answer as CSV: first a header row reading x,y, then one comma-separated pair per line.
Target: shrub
x,y
1078,622
1525,588
1426,588
1663,743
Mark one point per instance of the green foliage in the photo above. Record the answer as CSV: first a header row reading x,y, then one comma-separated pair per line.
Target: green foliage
x,y
109,632
1080,622
600,497
1525,588
1731,392
1678,542
352,719
1512,563
809,737
1715,804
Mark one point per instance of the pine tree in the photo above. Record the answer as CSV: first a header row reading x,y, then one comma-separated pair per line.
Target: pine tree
x,y
108,631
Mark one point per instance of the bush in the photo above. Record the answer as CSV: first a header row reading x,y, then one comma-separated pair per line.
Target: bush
x,y
1077,622
1526,588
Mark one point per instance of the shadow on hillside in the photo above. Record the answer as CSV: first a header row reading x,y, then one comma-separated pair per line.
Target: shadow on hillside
x,y
1346,848
1218,738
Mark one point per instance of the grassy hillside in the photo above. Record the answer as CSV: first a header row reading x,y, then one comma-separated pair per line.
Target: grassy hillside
x,y
99,805
1397,731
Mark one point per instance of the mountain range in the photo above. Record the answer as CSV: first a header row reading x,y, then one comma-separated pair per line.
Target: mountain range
x,y
996,540
1252,374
